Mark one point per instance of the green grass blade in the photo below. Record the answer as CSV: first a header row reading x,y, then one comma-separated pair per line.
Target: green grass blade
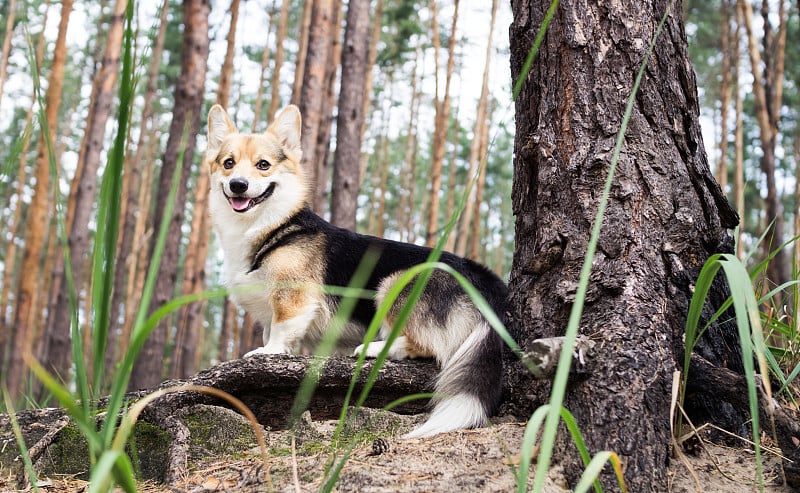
x,y
595,467
108,212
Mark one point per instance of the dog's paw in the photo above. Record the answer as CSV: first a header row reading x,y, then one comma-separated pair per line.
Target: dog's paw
x,y
267,350
397,351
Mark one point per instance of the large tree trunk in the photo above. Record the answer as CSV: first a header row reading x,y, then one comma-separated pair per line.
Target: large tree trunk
x,y
666,215
186,117
350,116
37,224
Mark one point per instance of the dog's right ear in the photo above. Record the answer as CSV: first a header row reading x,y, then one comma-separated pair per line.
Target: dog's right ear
x,y
219,126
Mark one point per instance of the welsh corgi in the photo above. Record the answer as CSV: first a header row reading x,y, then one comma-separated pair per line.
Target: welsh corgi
x,y
271,239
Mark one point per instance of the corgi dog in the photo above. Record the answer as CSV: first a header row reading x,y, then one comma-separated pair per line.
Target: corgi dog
x,y
272,240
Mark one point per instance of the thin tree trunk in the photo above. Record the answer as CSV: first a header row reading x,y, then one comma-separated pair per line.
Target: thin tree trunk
x,y
194,272
302,52
738,186
383,172
666,215
319,199
6,49
475,234
440,127
275,98
138,177
765,95
11,247
262,78
350,116
314,90
405,205
57,355
186,117
725,97
372,58
452,182
474,148
37,224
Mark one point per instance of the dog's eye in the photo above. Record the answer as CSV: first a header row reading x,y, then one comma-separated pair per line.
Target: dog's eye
x,y
263,165
228,163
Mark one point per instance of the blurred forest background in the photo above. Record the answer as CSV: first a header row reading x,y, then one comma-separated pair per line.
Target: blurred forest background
x,y
404,102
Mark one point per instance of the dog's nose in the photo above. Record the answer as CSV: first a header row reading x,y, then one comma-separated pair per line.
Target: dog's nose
x,y
238,185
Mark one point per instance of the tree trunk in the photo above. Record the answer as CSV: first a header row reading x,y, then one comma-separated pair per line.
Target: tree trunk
x,y
6,48
725,96
319,199
767,93
16,219
665,216
350,117
124,297
483,144
190,323
738,160
313,92
440,128
405,202
302,52
275,98
186,115
372,58
474,148
262,78
37,222
57,355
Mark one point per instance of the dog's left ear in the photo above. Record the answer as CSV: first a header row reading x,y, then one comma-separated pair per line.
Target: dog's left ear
x,y
287,128
219,126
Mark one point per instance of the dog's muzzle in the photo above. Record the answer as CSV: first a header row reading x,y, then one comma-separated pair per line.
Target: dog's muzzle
x,y
241,203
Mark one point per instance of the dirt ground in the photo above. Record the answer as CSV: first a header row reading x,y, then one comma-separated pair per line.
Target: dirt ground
x,y
480,460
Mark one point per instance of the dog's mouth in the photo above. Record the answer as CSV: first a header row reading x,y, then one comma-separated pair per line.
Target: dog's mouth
x,y
243,204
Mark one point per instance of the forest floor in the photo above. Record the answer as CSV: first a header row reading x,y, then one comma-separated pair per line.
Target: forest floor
x,y
480,460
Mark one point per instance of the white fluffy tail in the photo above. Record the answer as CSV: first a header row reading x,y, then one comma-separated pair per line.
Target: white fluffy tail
x,y
468,387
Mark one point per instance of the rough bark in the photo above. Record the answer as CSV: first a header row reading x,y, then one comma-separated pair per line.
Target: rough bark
x,y
186,117
665,216
350,116
37,223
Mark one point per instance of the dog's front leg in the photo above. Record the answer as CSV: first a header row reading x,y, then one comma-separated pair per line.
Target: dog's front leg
x,y
293,312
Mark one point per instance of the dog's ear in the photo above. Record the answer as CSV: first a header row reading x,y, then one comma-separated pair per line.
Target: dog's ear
x,y
219,126
287,128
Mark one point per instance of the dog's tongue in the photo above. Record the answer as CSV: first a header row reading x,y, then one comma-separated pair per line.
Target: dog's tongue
x,y
239,204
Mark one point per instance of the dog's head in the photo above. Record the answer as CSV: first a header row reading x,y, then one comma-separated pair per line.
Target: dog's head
x,y
255,175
